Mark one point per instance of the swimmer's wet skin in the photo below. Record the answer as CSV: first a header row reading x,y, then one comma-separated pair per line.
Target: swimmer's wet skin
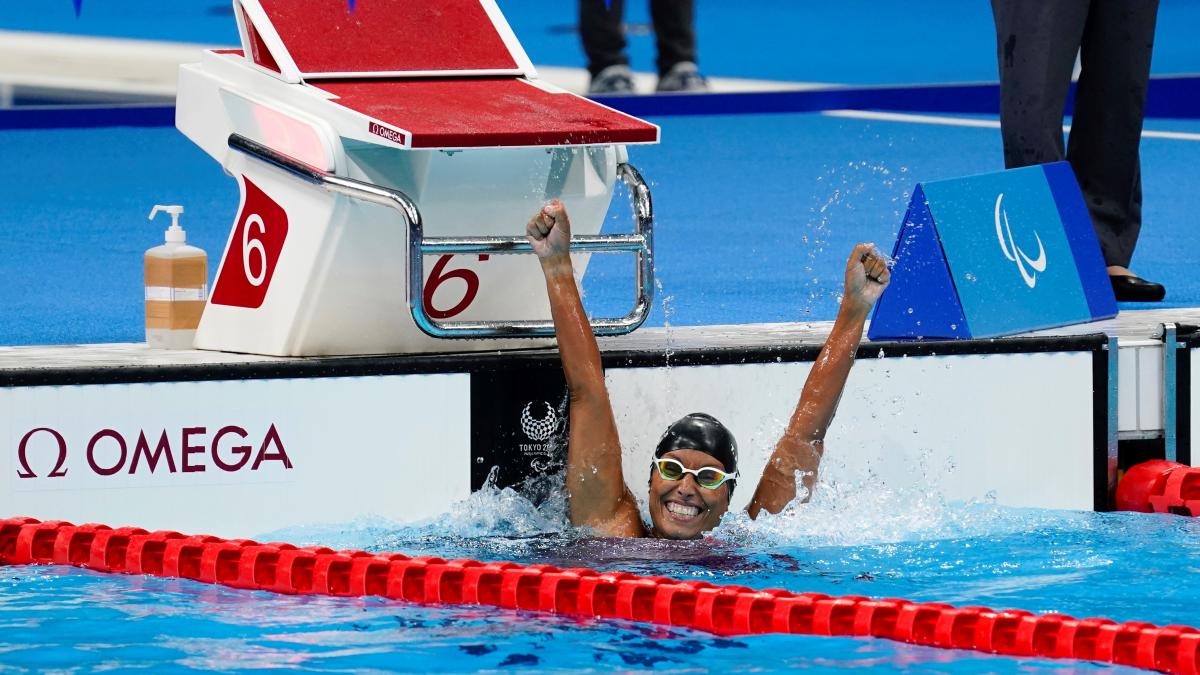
x,y
681,506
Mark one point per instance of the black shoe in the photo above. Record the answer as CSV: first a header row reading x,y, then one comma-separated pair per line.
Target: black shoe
x,y
1135,289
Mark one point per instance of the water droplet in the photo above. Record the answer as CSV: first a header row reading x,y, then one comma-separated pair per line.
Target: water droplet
x,y
910,310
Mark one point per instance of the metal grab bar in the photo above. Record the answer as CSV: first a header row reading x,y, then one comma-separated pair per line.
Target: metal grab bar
x,y
639,242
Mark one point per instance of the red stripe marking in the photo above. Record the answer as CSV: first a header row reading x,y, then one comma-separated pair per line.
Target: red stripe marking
x,y
259,52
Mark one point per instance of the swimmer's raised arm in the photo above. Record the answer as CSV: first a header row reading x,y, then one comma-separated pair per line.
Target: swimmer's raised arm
x,y
802,444
596,492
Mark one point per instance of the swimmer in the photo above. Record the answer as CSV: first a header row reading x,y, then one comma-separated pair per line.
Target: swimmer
x,y
694,470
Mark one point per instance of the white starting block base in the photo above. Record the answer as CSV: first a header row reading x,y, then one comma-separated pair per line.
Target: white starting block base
x,y
238,445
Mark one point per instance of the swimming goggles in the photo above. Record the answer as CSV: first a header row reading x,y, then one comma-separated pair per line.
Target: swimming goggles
x,y
708,477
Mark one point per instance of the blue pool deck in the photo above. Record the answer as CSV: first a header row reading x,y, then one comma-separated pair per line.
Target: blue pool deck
x,y
848,41
755,214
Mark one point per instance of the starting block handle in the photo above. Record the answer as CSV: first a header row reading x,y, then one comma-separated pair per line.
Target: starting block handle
x,y
640,242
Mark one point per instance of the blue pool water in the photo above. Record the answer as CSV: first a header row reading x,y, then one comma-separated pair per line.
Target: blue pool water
x,y
852,539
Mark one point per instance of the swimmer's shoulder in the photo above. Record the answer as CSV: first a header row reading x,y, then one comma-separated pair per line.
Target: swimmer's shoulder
x,y
622,526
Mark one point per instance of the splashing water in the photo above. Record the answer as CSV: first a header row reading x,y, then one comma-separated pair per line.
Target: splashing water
x,y
509,512
861,513
850,190
491,521
856,536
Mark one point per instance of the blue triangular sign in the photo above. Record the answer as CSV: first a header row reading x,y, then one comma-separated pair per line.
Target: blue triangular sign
x,y
921,301
994,254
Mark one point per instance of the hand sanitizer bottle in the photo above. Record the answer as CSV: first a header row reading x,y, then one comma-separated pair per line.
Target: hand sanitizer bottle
x,y
176,287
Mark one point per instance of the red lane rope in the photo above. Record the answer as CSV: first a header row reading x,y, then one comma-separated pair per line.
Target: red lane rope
x,y
724,610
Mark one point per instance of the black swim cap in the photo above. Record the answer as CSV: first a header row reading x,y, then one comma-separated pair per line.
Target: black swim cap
x,y
702,432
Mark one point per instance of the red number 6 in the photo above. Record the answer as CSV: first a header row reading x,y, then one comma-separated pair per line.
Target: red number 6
x,y
439,275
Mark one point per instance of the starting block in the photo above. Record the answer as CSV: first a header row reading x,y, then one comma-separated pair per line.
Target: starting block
x,y
992,255
386,155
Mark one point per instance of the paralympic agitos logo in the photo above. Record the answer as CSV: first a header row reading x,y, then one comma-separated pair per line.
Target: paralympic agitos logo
x,y
44,452
1008,246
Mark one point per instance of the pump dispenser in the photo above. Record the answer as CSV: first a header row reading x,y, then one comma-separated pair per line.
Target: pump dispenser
x,y
176,286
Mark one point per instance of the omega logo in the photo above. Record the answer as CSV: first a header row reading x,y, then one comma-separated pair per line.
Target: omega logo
x,y
385,132
108,452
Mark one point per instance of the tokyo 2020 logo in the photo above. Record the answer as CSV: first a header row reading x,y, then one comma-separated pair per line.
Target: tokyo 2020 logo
x,y
543,427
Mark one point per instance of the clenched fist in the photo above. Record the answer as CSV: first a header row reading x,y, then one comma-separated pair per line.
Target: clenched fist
x,y
549,231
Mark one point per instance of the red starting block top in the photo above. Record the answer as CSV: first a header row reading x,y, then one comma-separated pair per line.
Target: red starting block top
x,y
441,73
487,112
381,38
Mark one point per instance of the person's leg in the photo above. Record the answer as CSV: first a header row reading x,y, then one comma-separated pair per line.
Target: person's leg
x,y
1107,125
602,35
1036,43
674,28
674,32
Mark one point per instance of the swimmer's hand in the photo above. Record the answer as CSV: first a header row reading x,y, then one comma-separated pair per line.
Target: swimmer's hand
x,y
867,275
549,232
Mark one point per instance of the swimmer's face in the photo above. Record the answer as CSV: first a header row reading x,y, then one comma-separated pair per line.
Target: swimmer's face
x,y
681,509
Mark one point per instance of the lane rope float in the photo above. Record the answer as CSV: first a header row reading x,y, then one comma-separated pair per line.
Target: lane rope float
x,y
1160,486
718,609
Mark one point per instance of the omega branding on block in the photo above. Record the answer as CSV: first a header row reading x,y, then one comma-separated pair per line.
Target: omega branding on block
x,y
384,132
45,453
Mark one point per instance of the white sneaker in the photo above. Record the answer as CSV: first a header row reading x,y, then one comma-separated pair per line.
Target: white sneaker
x,y
616,79
683,76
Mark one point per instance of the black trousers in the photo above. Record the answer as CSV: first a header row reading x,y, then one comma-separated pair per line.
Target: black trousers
x,y
1036,44
604,39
